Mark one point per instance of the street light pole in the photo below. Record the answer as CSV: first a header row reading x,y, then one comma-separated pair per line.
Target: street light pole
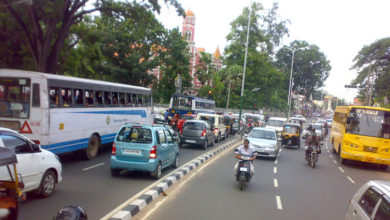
x,y
246,54
290,84
227,104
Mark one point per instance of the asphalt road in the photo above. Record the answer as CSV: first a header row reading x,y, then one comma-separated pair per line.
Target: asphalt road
x,y
89,184
283,189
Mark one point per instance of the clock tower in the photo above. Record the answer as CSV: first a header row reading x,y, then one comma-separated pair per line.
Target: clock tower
x,y
189,27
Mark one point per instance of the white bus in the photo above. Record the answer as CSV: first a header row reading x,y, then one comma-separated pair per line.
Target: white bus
x,y
63,113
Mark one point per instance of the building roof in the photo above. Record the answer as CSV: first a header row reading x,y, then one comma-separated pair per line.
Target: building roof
x,y
190,13
217,54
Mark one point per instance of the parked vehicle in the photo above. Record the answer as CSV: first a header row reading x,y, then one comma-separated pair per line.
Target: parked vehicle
x,y
197,132
216,122
371,201
183,118
277,124
265,141
40,169
143,148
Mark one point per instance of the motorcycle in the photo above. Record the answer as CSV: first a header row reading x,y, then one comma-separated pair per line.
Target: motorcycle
x,y
312,157
243,174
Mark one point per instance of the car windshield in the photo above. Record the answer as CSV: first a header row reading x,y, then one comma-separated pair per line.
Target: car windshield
x,y
275,123
263,134
135,135
193,126
367,122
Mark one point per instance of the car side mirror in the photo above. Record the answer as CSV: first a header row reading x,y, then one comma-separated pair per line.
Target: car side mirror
x,y
36,148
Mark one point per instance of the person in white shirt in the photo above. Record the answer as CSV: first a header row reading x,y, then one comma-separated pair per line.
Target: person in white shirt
x,y
245,150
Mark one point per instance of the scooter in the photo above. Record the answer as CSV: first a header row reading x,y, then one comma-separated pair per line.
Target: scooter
x,y
243,174
312,157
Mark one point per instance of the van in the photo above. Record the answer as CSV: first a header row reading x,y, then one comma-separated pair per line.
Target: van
x,y
217,125
277,124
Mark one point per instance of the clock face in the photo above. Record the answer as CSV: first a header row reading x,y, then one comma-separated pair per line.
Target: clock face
x,y
188,20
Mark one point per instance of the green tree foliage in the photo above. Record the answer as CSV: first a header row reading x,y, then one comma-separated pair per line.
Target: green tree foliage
x,y
204,69
374,59
311,68
42,27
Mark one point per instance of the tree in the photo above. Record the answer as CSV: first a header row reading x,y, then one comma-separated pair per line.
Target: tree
x,y
311,68
43,26
374,59
204,69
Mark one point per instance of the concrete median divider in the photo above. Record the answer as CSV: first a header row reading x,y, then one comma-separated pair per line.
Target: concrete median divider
x,y
129,210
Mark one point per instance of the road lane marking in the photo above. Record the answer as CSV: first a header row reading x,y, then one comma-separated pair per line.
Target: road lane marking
x,y
331,156
276,161
328,152
341,169
279,203
334,161
276,183
350,179
88,168
275,169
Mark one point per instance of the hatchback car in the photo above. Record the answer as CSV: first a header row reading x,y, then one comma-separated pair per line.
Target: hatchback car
x,y
265,140
159,119
149,148
40,169
371,201
197,132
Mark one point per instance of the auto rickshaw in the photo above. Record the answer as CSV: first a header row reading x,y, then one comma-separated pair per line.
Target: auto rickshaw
x,y
11,188
291,134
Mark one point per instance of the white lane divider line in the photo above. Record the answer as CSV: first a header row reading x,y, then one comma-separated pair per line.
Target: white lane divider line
x,y
331,156
276,185
276,161
279,203
334,161
328,152
341,169
88,168
350,179
275,169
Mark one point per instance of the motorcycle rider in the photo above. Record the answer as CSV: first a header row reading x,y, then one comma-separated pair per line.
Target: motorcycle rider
x,y
312,140
248,150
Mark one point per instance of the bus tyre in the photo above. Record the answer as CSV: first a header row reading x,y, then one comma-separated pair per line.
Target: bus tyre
x,y
48,184
93,147
343,161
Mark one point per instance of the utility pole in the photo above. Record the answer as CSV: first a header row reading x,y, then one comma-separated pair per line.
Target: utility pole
x,y
227,104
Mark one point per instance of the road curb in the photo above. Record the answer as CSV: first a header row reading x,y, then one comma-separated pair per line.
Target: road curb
x,y
137,205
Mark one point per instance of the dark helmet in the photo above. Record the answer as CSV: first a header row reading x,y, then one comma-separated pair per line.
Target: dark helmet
x,y
71,213
310,128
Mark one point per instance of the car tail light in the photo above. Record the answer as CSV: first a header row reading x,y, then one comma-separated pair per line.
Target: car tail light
x,y
204,132
113,151
36,141
153,153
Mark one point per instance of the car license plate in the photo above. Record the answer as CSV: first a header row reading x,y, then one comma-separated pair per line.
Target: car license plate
x,y
260,150
131,152
243,169
191,141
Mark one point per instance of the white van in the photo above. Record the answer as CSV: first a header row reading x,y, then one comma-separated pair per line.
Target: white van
x,y
216,121
277,124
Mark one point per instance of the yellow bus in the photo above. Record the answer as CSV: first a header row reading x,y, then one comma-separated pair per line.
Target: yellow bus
x,y
361,133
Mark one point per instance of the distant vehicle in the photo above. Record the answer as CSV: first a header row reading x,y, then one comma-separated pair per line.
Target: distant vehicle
x,y
277,124
319,130
361,133
301,117
183,118
329,121
265,141
40,170
64,113
144,148
197,132
159,119
217,125
185,104
371,201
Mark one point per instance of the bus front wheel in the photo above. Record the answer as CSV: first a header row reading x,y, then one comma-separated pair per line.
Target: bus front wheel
x,y
93,147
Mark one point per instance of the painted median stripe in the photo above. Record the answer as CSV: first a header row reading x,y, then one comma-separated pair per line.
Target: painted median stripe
x,y
341,169
279,203
276,185
275,169
350,179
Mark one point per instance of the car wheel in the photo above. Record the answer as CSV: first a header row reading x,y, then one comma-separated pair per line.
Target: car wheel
x,y
48,184
205,145
115,172
93,147
157,173
176,163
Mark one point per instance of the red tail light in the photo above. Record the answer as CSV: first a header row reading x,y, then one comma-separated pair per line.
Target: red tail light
x,y
113,151
204,132
36,141
153,153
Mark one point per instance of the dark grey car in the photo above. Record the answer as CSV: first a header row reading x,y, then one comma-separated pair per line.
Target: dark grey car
x,y
197,132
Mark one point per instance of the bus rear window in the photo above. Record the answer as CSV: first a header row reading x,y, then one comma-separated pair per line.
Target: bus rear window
x,y
15,97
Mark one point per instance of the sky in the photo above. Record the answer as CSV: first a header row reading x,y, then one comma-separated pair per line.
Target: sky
x,y
340,28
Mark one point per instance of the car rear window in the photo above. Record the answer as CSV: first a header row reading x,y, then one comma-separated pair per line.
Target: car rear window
x,y
135,135
383,212
188,117
369,200
193,126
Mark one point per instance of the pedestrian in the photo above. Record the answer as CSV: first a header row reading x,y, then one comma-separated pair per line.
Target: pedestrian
x,y
166,114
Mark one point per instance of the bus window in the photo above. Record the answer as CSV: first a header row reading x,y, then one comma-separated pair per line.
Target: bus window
x,y
78,97
134,99
66,95
89,98
99,98
139,100
128,99
53,97
148,100
115,98
36,101
143,100
122,99
107,98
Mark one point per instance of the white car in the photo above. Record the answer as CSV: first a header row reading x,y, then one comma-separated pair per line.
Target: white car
x,y
277,124
371,201
40,170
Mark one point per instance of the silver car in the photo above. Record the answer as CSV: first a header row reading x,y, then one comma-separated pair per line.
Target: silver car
x,y
265,141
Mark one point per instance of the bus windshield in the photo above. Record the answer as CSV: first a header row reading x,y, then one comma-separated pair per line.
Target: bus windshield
x,y
368,122
14,97
181,103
